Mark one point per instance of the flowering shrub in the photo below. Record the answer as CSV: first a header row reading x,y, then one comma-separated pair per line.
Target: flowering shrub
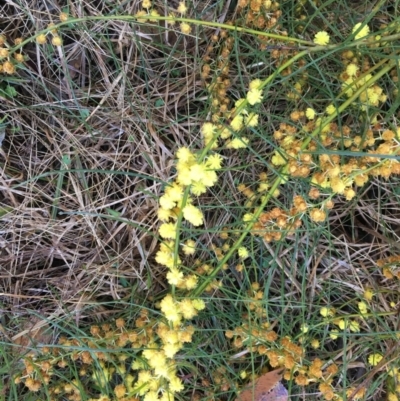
x,y
312,146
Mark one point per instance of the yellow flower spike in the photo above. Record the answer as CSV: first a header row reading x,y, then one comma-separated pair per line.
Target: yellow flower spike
x,y
352,69
63,17
362,33
120,390
191,282
237,123
321,38
198,304
310,113
164,214
174,192
354,326
210,178
182,8
208,129
248,217
154,13
186,28
3,52
226,133
326,312
184,177
168,230
170,308
330,109
56,41
8,68
193,215
254,96
251,120
238,143
349,193
374,359
363,307
140,16
172,349
41,39
198,188
189,247
241,101
263,187
187,309
214,161
151,396
317,215
174,276
176,385
19,57
254,84
277,159
368,294
334,334
197,172
276,193
243,252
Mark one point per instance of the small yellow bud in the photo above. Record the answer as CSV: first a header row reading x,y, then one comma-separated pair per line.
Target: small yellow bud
x,y
3,52
19,57
63,17
185,28
56,41
41,39
310,113
334,334
182,8
8,68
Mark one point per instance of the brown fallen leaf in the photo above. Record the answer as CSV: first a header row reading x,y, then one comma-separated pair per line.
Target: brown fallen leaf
x,y
266,388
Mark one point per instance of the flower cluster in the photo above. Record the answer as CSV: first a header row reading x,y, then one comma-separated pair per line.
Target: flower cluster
x,y
9,63
149,14
11,59
193,177
330,171
284,353
260,14
104,355
277,223
372,95
343,323
56,39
